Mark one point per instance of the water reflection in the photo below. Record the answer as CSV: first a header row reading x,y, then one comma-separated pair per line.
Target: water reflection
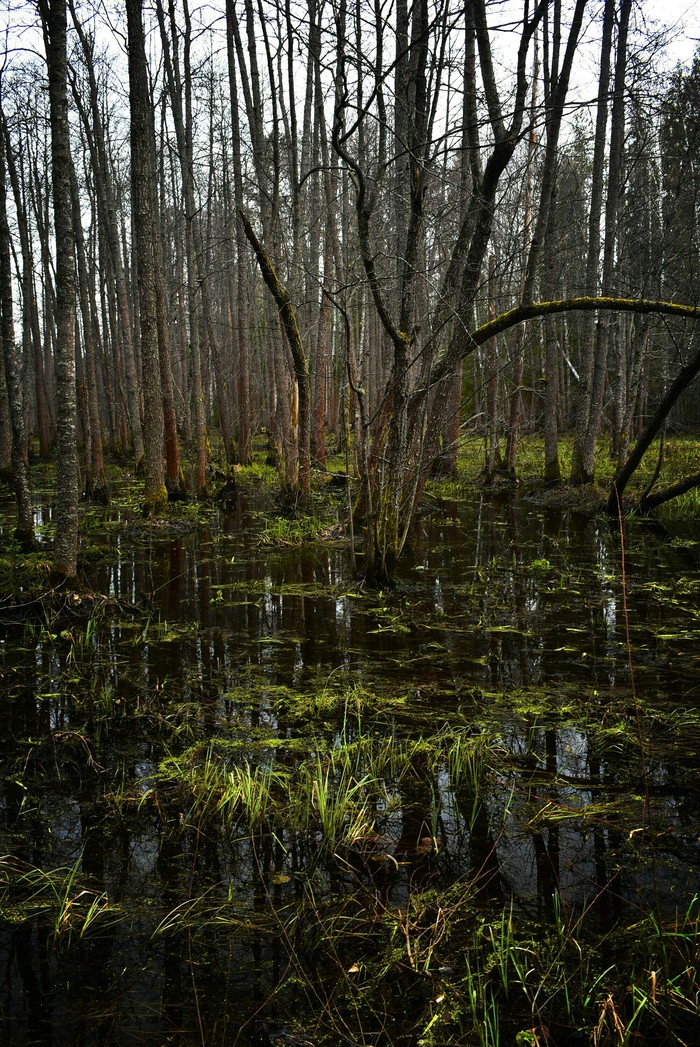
x,y
508,615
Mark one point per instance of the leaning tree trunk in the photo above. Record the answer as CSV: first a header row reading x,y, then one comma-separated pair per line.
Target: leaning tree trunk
x,y
301,368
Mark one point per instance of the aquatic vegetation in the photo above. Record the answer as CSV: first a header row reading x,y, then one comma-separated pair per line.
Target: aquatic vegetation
x,y
285,531
70,907
251,791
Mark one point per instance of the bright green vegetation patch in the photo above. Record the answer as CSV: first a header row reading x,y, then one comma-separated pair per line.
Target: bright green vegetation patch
x,y
283,531
22,572
680,460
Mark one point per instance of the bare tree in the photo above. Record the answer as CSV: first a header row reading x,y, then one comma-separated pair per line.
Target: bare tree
x,y
143,180
54,25
24,531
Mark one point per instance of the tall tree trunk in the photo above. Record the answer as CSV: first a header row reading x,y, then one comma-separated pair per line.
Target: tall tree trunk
x,y
493,453
24,530
301,369
179,82
612,208
53,16
109,225
31,325
143,179
242,328
579,474
95,480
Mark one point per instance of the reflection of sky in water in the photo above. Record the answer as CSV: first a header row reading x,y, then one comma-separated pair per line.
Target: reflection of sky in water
x,y
476,638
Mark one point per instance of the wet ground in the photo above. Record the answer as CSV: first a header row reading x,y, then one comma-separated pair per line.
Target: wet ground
x,y
520,722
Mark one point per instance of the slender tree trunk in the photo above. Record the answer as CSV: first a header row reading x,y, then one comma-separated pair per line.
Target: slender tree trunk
x,y
243,318
579,474
301,370
493,454
53,15
107,212
24,531
143,177
95,481
612,208
31,326
179,83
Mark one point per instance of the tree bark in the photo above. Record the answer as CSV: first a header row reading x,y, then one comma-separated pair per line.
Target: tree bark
x,y
109,225
583,403
301,369
24,530
179,83
143,178
53,16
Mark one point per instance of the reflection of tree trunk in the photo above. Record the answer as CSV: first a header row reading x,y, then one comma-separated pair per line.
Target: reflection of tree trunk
x,y
548,853
485,868
417,842
608,900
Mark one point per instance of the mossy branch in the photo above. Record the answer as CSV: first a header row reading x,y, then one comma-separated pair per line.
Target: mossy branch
x,y
296,344
530,311
686,376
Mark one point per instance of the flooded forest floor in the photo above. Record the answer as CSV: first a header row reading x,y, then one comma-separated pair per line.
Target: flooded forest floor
x,y
245,800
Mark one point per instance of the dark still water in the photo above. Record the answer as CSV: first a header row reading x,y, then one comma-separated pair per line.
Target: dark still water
x,y
266,805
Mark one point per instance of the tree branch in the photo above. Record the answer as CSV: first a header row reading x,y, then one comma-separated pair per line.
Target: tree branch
x,y
528,311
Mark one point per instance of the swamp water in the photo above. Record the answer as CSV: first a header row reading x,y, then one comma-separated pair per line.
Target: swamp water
x,y
270,806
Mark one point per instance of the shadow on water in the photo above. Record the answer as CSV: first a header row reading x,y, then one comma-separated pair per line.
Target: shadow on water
x,y
178,867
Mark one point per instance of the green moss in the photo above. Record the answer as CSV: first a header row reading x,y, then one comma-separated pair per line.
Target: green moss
x,y
155,502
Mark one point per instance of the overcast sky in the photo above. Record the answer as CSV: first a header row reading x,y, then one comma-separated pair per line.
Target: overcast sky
x,y
682,18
